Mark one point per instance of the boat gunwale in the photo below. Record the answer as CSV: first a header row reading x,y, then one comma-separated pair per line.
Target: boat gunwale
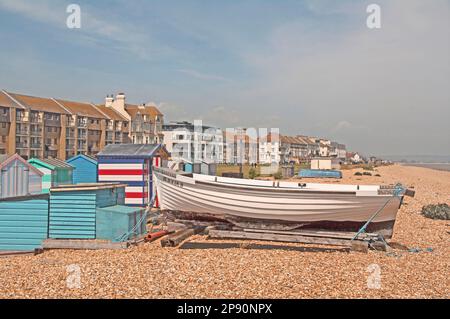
x,y
174,176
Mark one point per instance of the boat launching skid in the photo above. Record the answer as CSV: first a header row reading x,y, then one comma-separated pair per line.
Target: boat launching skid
x,y
180,231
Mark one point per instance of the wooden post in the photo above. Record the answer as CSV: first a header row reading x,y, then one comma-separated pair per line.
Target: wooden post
x,y
175,239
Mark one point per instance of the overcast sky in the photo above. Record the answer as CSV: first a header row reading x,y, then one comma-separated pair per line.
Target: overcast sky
x,y
306,67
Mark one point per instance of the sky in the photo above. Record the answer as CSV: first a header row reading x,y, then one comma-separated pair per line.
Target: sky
x,y
309,67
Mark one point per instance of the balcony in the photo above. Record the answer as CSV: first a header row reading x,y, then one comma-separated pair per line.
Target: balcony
x,y
82,124
94,126
70,147
52,122
5,118
22,131
109,137
36,146
21,119
36,132
35,120
22,145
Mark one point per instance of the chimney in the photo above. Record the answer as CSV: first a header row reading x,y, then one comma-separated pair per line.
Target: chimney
x,y
119,105
120,102
109,100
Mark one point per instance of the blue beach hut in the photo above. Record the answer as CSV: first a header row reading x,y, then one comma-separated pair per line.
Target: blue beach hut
x,y
85,169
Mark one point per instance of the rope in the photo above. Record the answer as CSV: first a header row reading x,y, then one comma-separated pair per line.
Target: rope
x,y
134,230
398,190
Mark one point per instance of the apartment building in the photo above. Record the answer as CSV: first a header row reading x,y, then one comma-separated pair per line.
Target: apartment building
x,y
241,146
297,149
54,128
146,120
193,142
269,147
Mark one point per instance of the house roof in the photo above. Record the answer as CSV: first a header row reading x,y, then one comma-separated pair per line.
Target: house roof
x,y
293,140
39,103
86,157
6,101
6,159
132,150
272,137
82,109
111,113
231,137
148,110
51,163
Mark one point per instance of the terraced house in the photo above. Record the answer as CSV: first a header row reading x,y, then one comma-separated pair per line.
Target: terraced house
x,y
36,127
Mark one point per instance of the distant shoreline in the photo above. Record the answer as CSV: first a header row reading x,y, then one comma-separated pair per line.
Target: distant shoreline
x,y
435,166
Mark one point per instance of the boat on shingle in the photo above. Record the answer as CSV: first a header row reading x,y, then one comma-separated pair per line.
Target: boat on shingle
x,y
278,205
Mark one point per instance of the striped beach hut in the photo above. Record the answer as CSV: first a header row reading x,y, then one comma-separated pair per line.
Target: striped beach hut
x,y
85,169
132,164
18,177
56,172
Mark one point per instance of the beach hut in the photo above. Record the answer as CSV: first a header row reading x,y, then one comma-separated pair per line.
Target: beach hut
x,y
18,177
23,222
190,167
56,172
208,168
325,163
85,169
287,171
131,164
94,211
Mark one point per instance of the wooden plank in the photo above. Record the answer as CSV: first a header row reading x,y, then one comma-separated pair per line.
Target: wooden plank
x,y
325,234
82,244
213,233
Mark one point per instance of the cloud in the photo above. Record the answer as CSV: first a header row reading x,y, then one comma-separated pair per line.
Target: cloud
x,y
95,28
391,85
342,125
202,76
175,112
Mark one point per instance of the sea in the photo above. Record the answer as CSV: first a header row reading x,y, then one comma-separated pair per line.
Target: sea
x,y
436,162
435,166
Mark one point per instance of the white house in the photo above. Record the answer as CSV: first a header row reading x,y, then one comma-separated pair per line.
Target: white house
x,y
270,149
193,142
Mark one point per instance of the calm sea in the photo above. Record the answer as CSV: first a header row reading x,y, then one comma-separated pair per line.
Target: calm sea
x,y
436,166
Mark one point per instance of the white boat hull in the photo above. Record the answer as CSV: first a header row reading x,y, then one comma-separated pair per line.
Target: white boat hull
x,y
249,203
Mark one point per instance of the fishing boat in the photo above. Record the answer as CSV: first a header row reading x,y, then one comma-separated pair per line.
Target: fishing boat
x,y
278,205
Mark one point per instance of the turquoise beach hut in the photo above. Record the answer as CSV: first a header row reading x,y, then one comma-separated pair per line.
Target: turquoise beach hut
x,y
56,172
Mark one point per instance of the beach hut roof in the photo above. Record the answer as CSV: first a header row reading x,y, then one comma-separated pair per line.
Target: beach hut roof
x,y
6,159
132,150
86,157
51,163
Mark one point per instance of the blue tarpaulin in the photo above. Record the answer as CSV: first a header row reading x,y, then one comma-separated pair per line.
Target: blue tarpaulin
x,y
319,173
